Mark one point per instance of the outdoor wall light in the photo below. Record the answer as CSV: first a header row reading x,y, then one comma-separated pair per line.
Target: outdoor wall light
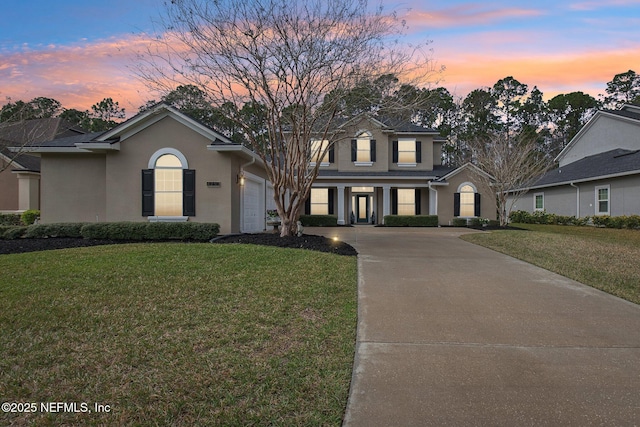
x,y
241,179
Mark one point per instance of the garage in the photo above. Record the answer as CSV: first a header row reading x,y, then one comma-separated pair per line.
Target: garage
x,y
253,210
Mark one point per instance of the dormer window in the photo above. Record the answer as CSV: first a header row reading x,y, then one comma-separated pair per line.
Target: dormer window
x,y
363,149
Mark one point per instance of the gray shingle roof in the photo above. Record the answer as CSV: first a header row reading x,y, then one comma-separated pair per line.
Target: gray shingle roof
x,y
70,141
437,172
612,162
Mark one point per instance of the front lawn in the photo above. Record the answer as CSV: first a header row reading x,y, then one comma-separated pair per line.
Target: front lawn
x,y
606,259
177,334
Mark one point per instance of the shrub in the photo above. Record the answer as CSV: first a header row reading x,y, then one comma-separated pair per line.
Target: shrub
x,y
459,222
10,232
10,219
53,230
150,230
319,220
411,220
29,217
522,217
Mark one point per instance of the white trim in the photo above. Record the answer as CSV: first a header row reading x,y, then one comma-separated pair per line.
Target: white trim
x,y
363,163
407,165
475,189
322,164
167,150
167,218
597,200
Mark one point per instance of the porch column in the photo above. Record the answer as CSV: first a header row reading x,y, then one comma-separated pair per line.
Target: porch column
x,y
341,205
433,201
386,201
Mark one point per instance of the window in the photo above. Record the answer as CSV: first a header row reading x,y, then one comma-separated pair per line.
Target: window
x,y
406,201
538,202
407,152
168,186
602,200
317,147
467,196
363,150
466,202
319,201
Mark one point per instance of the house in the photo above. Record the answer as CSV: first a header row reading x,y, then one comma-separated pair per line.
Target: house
x,y
598,172
384,167
162,165
157,166
20,179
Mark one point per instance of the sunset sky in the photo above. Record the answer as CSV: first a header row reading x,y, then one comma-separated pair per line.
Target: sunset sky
x,y
80,51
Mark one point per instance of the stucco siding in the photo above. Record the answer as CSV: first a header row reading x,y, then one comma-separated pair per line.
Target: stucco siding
x,y
8,190
74,188
446,197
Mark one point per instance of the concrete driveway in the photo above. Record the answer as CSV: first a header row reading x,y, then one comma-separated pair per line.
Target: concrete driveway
x,y
453,334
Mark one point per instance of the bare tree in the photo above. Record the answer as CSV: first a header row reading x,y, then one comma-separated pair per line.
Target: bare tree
x,y
284,56
510,166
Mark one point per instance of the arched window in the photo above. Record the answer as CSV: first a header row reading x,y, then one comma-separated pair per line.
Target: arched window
x,y
466,201
168,186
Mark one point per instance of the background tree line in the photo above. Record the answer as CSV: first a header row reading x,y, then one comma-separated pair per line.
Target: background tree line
x,y
508,107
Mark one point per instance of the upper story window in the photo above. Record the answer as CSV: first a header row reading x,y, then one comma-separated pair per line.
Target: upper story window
x,y
317,148
363,149
407,152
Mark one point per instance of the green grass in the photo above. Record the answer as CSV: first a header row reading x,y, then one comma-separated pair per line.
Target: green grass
x,y
606,259
178,334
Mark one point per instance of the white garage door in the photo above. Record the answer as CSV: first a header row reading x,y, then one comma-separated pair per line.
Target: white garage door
x,y
252,207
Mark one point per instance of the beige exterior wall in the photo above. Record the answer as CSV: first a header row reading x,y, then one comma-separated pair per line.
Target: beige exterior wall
x,y
74,188
28,190
8,190
446,196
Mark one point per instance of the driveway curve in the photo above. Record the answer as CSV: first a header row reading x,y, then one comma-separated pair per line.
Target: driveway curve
x,y
454,334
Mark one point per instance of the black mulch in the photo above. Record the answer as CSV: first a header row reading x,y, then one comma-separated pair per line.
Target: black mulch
x,y
311,242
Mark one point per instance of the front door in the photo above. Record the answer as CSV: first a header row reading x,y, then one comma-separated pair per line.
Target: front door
x,y
362,209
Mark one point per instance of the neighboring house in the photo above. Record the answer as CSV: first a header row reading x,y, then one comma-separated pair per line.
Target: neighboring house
x,y
161,165
598,172
157,166
385,168
20,181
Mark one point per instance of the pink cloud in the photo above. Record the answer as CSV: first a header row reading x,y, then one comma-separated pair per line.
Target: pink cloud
x,y
465,15
586,71
78,76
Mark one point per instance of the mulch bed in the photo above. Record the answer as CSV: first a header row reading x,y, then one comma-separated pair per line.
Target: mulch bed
x,y
311,242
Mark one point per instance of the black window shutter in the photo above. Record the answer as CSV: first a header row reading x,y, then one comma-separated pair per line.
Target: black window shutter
x,y
395,152
147,192
354,150
476,202
189,192
330,201
418,201
394,201
456,204
373,150
418,152
307,206
332,154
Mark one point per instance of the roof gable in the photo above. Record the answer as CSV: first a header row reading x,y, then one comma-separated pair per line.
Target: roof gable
x,y
143,120
628,115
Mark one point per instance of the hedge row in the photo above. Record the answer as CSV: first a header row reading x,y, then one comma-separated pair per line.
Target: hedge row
x,y
411,220
319,220
542,217
116,231
26,218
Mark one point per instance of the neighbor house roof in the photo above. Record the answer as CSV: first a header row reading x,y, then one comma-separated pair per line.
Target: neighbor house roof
x,y
628,114
610,164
